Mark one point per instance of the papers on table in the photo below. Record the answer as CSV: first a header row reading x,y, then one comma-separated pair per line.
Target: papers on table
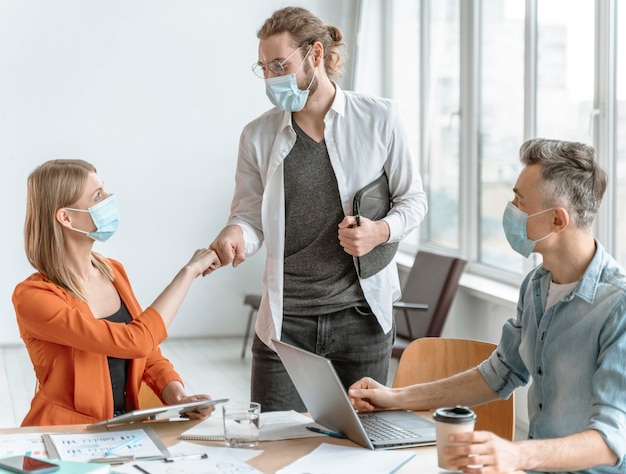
x,y
275,425
138,444
329,459
30,444
220,460
109,446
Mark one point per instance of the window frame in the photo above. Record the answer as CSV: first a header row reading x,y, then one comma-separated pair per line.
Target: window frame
x,y
603,121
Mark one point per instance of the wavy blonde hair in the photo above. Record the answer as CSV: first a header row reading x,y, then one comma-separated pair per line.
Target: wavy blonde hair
x,y
51,186
305,29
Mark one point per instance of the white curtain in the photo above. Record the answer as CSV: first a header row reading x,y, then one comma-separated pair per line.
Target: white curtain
x,y
371,46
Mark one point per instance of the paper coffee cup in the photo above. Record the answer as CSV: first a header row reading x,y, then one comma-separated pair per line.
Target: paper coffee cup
x,y
449,420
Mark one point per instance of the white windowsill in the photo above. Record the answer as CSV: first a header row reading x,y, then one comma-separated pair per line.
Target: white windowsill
x,y
489,290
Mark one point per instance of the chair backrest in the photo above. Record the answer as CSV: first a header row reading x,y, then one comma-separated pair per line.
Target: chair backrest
x,y
432,358
433,280
147,398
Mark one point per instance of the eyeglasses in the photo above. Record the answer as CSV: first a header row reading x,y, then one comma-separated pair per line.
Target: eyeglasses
x,y
275,66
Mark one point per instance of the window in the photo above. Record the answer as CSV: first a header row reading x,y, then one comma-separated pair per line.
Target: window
x,y
565,69
405,16
442,110
620,140
491,74
501,125
427,87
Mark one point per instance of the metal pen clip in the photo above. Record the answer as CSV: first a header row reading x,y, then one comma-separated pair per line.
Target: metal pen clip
x,y
113,459
186,456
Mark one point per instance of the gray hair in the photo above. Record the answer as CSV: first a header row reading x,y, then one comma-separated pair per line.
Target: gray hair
x,y
571,177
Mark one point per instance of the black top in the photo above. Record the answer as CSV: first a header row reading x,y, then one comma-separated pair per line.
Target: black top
x,y
118,368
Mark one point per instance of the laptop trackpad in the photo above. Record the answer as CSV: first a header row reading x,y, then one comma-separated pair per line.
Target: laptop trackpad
x,y
406,420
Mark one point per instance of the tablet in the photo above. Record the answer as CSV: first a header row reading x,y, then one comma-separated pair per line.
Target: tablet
x,y
27,465
168,411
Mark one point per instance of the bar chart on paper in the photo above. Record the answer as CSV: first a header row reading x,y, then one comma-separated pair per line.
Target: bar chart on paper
x,y
111,445
30,444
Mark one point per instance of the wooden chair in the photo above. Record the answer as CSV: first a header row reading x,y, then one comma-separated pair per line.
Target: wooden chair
x,y
432,358
427,296
147,398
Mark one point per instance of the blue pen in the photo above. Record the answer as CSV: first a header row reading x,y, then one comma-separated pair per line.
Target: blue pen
x,y
123,445
325,432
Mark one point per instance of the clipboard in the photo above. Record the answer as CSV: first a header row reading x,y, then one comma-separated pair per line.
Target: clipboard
x,y
150,413
374,202
92,447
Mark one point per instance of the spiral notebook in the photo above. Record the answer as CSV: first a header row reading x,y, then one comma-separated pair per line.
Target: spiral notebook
x,y
275,425
211,429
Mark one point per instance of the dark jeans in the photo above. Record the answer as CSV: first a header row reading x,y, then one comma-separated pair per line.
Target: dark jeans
x,y
352,339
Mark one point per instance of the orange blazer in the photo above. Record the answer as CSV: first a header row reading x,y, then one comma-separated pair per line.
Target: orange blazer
x,y
69,347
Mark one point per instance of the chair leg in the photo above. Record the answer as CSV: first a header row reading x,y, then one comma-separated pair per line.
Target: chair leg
x,y
247,333
408,323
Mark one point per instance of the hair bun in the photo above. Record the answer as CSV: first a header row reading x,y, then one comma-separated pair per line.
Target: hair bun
x,y
335,33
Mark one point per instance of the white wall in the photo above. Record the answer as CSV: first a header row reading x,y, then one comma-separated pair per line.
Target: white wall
x,y
154,93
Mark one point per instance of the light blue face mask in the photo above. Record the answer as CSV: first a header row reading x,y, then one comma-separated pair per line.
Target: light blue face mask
x,y
105,217
284,93
514,224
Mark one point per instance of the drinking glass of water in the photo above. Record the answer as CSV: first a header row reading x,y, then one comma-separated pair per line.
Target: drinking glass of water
x,y
241,424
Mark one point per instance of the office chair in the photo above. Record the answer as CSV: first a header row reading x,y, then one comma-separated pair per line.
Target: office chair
x,y
432,358
427,296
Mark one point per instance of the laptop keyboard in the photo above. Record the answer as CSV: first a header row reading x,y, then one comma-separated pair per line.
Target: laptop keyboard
x,y
379,429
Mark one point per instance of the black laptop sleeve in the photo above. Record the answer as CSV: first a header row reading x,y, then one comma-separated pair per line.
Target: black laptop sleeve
x,y
374,201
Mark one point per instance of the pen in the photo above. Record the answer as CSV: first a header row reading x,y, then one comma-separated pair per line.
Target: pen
x,y
325,432
115,460
136,466
186,456
123,445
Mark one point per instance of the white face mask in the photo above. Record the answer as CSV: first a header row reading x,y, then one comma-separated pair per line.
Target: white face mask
x,y
284,93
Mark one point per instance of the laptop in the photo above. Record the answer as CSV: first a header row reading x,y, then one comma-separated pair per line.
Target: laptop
x,y
328,404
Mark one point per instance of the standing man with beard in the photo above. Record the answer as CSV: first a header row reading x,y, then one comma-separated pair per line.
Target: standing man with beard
x,y
299,167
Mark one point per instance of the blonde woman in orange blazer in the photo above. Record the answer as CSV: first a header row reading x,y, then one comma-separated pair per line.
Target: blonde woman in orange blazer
x,y
90,342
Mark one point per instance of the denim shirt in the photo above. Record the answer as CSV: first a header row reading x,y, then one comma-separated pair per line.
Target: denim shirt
x,y
575,353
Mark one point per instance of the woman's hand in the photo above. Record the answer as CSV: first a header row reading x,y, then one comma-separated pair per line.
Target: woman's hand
x,y
174,394
198,413
203,262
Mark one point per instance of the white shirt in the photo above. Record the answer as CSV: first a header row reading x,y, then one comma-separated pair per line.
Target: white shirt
x,y
363,136
556,291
